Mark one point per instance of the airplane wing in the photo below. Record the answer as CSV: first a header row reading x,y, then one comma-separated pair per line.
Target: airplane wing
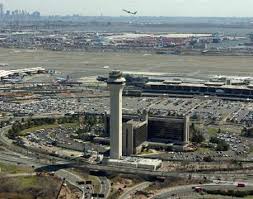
x,y
126,11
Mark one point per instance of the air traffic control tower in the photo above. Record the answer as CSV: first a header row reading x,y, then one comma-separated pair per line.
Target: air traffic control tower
x,y
116,83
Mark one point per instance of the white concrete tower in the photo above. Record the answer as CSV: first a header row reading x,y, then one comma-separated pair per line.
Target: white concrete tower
x,y
116,83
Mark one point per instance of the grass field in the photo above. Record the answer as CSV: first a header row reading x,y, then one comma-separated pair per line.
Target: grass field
x,y
30,187
212,131
33,129
28,182
81,64
14,169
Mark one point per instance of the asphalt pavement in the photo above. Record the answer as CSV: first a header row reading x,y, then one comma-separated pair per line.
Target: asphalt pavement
x,y
105,187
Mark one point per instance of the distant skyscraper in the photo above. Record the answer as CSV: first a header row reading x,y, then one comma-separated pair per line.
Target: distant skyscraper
x,y
1,10
8,12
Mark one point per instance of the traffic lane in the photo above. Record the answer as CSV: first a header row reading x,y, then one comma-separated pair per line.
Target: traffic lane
x,y
182,190
8,158
105,186
233,186
74,179
173,191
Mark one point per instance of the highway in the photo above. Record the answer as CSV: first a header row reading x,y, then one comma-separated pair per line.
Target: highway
x,y
187,191
105,187
18,175
74,179
167,193
137,171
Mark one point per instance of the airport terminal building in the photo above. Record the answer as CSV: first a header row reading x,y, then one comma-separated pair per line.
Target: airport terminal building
x,y
222,89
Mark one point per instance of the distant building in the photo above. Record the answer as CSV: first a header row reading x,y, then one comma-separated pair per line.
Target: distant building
x,y
1,10
8,13
232,89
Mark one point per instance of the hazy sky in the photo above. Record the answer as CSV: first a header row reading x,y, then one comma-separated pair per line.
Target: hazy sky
x,y
145,7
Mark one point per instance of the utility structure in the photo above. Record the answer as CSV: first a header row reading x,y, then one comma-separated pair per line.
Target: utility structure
x,y
116,83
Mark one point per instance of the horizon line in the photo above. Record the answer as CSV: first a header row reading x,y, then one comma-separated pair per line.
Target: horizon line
x,y
79,15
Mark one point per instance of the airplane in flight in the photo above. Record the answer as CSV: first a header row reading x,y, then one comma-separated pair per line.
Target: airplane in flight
x,y
129,12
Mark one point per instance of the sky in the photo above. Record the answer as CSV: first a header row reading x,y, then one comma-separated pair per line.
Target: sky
x,y
194,8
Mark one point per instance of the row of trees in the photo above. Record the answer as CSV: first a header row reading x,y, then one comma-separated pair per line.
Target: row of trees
x,y
196,135
71,119
222,145
4,123
19,126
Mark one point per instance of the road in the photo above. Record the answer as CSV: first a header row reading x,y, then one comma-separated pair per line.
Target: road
x,y
186,190
18,175
173,190
127,194
137,171
74,179
105,187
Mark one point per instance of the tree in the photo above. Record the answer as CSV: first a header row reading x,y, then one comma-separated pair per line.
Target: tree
x,y
214,140
11,134
222,146
197,137
193,127
208,159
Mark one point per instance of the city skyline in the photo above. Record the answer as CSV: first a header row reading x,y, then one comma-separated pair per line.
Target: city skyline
x,y
191,8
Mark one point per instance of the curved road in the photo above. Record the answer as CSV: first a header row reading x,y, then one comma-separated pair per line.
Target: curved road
x,y
187,189
105,187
